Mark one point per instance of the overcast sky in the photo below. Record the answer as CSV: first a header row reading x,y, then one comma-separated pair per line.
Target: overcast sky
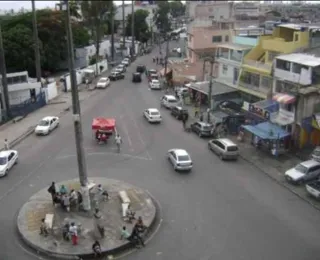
x,y
17,5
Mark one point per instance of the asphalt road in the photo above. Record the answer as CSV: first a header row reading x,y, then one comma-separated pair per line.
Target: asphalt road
x,y
221,210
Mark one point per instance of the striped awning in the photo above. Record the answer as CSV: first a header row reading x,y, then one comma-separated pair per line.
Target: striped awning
x,y
284,98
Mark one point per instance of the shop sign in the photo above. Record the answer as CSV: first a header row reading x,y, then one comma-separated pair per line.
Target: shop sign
x,y
259,111
316,121
286,117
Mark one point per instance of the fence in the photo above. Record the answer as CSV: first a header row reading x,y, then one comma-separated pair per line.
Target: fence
x,y
51,91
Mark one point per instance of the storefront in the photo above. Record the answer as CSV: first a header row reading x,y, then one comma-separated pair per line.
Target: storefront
x,y
308,133
260,111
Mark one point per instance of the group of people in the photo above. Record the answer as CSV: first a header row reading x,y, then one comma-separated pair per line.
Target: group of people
x,y
63,197
158,61
136,236
70,231
101,137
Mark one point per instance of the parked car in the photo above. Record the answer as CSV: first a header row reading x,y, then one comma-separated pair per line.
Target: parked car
x,y
203,129
182,91
304,172
316,154
103,83
224,148
168,101
152,115
47,125
180,160
136,77
8,159
153,77
178,112
151,71
154,84
116,75
126,62
141,68
313,188
122,68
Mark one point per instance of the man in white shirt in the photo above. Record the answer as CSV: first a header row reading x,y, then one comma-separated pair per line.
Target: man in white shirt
x,y
118,142
74,233
6,144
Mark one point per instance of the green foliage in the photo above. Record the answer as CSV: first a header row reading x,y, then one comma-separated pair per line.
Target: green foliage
x,y
161,16
141,28
93,60
18,40
177,8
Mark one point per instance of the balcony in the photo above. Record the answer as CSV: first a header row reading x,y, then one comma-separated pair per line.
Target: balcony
x,y
292,77
280,45
257,65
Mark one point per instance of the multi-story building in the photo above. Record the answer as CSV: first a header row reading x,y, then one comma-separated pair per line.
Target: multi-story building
x,y
255,76
296,86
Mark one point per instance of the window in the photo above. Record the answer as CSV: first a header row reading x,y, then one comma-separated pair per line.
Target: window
x,y
285,87
183,158
226,38
224,69
266,82
296,68
217,38
283,65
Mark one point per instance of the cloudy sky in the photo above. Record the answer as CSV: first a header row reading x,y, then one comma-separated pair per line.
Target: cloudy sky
x,y
17,5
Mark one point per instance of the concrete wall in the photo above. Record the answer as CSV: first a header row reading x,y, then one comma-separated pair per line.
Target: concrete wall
x,y
51,91
227,75
68,80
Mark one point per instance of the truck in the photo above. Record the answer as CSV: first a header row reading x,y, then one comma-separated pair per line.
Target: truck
x,y
313,188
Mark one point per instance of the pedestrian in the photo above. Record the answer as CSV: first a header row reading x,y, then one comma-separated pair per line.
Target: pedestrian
x,y
137,235
201,117
43,228
63,190
52,190
157,60
74,233
184,121
126,235
98,221
103,192
96,248
6,144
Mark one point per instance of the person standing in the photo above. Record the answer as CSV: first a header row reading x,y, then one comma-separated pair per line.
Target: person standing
x,y
74,233
52,190
96,248
118,142
6,144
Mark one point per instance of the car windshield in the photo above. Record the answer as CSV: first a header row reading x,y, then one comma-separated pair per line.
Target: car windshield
x,y
183,158
172,100
155,82
154,113
301,168
103,80
3,160
207,128
232,148
43,123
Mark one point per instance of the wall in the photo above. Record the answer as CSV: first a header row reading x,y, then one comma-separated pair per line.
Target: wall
x,y
51,91
228,76
294,77
218,10
18,97
68,80
306,105
245,40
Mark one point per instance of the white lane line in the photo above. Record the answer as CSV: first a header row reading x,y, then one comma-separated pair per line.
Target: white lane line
x,y
125,129
140,135
17,184
105,153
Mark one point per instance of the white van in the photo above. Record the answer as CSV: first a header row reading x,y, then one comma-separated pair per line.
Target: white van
x,y
168,101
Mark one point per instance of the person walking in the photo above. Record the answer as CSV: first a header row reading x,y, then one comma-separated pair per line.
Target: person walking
x,y
6,144
118,142
74,234
52,190
96,248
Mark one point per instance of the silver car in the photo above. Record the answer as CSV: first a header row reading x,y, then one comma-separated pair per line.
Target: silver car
x,y
304,172
180,160
224,148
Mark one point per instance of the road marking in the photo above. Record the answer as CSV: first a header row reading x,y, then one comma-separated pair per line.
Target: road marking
x,y
106,153
140,136
126,132
17,184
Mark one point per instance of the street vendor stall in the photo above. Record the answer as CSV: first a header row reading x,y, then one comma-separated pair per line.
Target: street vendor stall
x,y
103,128
269,137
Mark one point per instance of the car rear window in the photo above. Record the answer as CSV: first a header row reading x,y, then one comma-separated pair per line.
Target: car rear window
x,y
154,113
232,148
183,158
207,128
171,100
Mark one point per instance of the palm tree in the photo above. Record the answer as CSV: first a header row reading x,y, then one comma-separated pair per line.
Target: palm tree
x,y
94,15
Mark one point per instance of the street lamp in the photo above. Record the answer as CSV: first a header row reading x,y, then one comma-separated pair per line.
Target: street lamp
x,y
82,167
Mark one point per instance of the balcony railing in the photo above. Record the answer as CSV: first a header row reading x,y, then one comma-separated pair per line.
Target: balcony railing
x,y
261,89
258,64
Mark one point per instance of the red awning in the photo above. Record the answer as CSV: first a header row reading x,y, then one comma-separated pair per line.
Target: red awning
x,y
101,123
284,98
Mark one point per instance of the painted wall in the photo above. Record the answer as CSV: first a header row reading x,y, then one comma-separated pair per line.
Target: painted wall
x,y
51,91
227,75
245,40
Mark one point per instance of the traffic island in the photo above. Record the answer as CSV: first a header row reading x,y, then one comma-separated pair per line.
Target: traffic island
x,y
111,217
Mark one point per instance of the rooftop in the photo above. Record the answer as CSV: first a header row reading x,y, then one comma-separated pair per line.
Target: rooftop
x,y
217,88
301,58
299,26
235,46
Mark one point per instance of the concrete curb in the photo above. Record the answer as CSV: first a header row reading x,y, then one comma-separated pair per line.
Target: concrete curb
x,y
116,253
317,207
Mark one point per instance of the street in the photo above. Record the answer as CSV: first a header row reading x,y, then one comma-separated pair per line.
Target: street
x,y
221,210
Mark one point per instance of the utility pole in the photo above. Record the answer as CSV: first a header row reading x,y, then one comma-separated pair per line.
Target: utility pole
x,y
132,29
36,42
210,88
4,89
204,70
82,167
123,26
112,33
166,58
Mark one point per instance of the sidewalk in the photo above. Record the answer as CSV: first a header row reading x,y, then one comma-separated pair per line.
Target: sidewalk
x,y
268,164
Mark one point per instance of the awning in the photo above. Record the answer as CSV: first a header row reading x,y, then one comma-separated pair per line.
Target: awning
x,y
267,131
163,70
284,98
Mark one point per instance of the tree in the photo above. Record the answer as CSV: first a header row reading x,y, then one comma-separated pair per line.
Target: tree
x,y
177,8
18,40
95,15
141,28
161,17
75,9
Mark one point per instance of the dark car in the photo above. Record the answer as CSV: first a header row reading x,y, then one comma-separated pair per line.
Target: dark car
x,y
116,75
136,77
203,129
141,68
179,112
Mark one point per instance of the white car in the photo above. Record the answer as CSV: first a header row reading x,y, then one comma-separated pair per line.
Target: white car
x,y
121,68
8,159
103,83
125,62
180,160
152,115
169,101
154,84
46,125
304,172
